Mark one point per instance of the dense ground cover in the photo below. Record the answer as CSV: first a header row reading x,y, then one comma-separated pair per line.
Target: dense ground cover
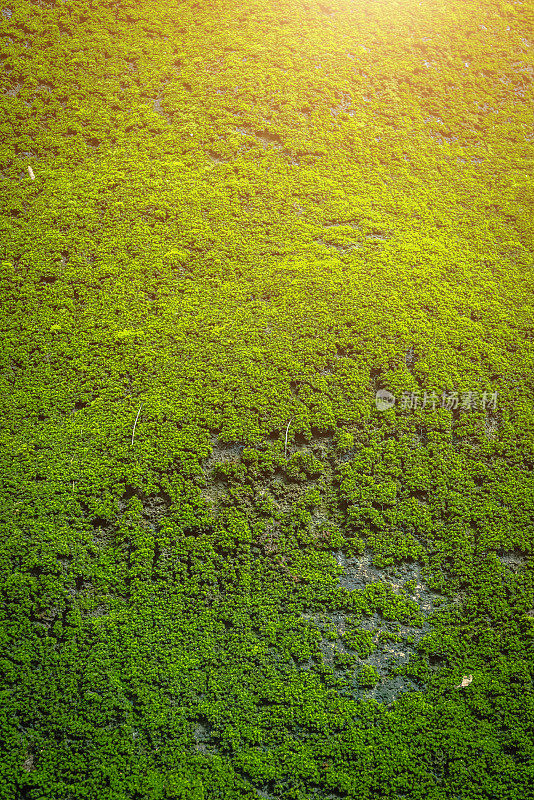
x,y
242,220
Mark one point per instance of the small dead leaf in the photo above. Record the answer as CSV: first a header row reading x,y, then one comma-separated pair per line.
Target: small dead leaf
x,y
466,680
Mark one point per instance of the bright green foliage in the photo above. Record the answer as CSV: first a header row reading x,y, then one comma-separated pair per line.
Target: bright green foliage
x,y
368,676
246,219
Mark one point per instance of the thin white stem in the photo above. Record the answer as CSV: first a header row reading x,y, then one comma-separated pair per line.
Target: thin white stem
x,y
285,444
135,423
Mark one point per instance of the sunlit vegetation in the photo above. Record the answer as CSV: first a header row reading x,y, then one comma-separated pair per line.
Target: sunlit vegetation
x,y
225,572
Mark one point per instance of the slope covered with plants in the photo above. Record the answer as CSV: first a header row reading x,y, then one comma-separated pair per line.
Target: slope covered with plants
x,y
225,570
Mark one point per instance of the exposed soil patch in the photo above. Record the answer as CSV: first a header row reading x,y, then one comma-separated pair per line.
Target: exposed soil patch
x,y
203,738
217,159
514,560
386,644
265,137
359,571
491,426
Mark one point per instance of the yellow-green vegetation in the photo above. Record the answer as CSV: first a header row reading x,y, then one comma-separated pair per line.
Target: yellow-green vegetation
x,y
368,676
225,571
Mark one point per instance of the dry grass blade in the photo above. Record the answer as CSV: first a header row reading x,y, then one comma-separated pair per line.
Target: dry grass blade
x,y
135,423
285,443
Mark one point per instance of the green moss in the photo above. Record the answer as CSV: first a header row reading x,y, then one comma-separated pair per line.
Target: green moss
x,y
242,225
368,677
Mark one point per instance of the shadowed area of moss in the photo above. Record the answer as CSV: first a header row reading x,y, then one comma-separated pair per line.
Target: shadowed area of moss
x,y
226,571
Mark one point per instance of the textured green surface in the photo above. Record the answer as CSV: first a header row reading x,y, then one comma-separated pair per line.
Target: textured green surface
x,y
245,219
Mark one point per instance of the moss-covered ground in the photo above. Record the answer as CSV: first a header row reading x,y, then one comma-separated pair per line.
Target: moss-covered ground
x,y
225,570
